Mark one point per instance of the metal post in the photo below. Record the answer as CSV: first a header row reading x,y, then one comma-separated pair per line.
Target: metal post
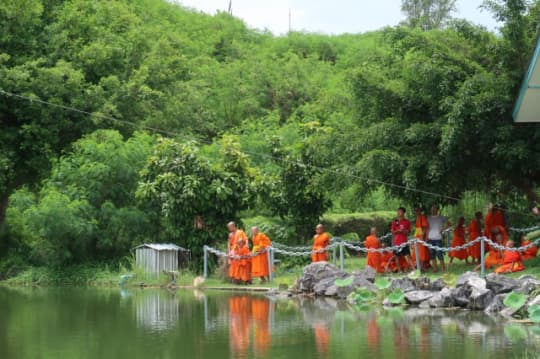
x,y
418,266
341,263
205,261
334,258
482,252
270,263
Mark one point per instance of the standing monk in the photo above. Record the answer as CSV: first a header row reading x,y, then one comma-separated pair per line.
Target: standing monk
x,y
458,240
475,231
236,234
373,258
437,224
401,227
243,271
421,229
321,240
259,263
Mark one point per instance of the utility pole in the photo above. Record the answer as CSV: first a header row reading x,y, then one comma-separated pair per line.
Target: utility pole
x,y
230,8
289,20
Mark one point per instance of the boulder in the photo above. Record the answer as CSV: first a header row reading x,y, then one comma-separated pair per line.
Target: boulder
x,y
322,286
405,284
480,299
331,291
418,296
500,283
527,284
442,299
460,296
368,274
314,273
496,305
465,277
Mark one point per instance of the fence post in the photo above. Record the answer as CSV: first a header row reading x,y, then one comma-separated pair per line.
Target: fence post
x,y
270,263
205,261
482,252
418,266
341,263
334,258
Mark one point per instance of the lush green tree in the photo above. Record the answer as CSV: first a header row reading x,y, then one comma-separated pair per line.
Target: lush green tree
x,y
428,14
194,194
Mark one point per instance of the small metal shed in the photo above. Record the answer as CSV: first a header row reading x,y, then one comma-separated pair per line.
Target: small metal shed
x,y
155,258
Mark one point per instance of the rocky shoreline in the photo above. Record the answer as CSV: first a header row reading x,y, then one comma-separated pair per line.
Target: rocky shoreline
x,y
470,291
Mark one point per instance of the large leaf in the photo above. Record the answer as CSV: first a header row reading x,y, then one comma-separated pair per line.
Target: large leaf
x,y
344,282
382,283
396,297
363,295
515,300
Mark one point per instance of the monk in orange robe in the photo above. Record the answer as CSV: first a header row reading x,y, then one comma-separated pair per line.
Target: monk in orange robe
x,y
373,258
260,311
511,261
259,263
494,257
498,229
529,253
459,240
243,270
421,230
236,234
233,263
387,264
475,231
497,216
321,240
488,221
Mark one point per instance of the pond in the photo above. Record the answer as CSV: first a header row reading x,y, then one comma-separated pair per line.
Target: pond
x,y
143,323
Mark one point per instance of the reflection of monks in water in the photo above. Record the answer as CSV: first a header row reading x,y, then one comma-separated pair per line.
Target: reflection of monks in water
x,y
423,340
322,338
401,339
373,335
260,310
239,325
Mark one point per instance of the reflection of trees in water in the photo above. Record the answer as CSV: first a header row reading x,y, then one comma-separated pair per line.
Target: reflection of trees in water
x,y
157,310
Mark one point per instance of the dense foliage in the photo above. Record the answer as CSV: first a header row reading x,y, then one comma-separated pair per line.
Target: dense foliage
x,y
185,121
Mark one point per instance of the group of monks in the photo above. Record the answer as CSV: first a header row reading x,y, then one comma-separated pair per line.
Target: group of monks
x,y
245,264
494,228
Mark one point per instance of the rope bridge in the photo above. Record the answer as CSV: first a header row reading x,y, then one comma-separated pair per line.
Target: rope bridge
x,y
338,243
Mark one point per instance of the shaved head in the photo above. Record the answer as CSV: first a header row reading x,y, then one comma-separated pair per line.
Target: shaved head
x,y
319,229
254,230
231,226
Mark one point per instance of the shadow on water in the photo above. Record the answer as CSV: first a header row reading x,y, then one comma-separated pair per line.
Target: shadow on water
x,y
93,323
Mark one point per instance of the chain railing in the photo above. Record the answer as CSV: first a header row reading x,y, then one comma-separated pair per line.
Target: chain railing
x,y
336,242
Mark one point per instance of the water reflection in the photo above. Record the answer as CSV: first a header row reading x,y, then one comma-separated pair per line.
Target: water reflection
x,y
157,310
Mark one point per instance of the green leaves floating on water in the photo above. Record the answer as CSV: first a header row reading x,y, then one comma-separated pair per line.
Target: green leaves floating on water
x,y
344,282
515,300
534,313
382,283
396,297
515,332
362,295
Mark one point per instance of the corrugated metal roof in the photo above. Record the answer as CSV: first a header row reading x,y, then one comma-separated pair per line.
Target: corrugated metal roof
x,y
527,107
162,247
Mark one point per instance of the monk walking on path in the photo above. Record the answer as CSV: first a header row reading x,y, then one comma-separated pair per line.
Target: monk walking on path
x,y
321,240
459,240
259,263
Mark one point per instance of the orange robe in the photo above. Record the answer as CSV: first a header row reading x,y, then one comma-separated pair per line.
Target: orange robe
x,y
529,253
320,241
474,232
243,269
259,263
423,251
385,258
459,240
487,224
373,258
493,258
511,263
503,232
233,263
497,218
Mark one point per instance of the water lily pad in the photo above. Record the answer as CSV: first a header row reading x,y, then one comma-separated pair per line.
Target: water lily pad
x,y
396,297
382,283
363,295
515,300
534,315
533,308
344,282
515,333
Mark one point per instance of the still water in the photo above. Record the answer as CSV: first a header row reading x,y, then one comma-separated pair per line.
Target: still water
x,y
96,323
